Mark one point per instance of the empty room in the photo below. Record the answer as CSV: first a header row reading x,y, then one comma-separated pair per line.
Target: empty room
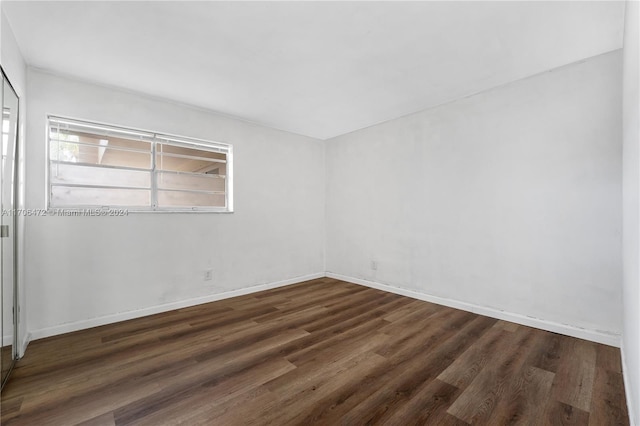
x,y
331,213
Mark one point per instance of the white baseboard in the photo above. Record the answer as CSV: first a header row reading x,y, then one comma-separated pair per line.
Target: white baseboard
x,y
582,333
123,316
610,339
24,344
631,405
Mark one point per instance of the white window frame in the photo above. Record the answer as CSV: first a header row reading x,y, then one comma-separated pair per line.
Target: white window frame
x,y
154,138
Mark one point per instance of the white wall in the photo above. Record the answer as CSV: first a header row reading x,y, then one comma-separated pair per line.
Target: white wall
x,y
631,212
16,70
509,200
86,271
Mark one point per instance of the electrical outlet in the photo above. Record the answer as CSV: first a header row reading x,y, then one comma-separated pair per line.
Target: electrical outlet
x,y
374,265
208,275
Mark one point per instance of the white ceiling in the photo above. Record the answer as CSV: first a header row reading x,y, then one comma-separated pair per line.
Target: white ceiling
x,y
315,68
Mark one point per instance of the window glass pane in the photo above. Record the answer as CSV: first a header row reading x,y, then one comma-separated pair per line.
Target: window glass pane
x,y
95,154
181,159
116,157
166,148
191,165
64,196
93,164
87,175
179,164
90,138
167,180
189,199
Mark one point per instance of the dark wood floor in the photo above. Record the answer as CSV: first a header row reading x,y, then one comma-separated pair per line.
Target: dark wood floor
x,y
319,352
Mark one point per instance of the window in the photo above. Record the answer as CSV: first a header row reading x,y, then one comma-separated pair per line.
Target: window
x,y
96,165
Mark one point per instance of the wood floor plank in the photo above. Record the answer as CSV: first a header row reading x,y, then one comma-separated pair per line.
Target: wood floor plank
x,y
428,406
467,366
525,395
103,420
558,413
350,314
112,367
398,303
11,406
608,405
573,384
408,309
507,326
608,358
547,353
412,369
294,404
329,365
201,398
481,397
351,341
156,388
244,409
321,352
420,330
421,313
